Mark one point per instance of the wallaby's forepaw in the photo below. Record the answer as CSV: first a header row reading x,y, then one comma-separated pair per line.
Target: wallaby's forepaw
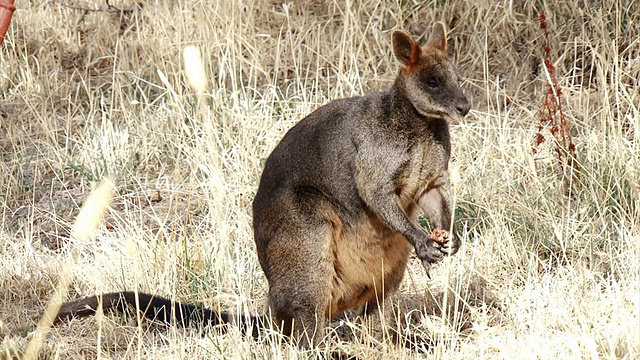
x,y
440,243
445,241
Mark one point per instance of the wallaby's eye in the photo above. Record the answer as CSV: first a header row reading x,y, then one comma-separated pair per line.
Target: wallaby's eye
x,y
432,84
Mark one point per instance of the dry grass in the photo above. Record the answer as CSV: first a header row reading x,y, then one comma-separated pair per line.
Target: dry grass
x,y
550,264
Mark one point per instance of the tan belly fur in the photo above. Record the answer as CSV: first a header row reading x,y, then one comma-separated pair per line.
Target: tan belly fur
x,y
368,261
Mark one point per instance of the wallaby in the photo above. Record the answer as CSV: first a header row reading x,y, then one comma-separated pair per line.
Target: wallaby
x,y
334,217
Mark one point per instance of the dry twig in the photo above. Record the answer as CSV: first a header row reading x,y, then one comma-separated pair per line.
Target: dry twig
x,y
110,8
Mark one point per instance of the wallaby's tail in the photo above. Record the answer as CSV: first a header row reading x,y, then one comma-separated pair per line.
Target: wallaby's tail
x,y
158,309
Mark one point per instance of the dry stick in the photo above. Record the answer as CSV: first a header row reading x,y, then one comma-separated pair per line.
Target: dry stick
x,y
83,230
110,8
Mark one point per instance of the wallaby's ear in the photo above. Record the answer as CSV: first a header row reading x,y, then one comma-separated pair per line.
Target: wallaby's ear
x,y
438,37
405,48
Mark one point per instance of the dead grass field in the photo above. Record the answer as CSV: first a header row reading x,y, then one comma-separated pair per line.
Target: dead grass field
x,y
550,266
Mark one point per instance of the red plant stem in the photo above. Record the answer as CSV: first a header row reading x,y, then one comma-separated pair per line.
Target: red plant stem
x,y
552,113
6,10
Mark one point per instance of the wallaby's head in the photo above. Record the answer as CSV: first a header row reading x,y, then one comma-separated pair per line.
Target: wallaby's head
x,y
430,81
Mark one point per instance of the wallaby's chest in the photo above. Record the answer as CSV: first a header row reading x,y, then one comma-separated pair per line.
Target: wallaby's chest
x,y
423,164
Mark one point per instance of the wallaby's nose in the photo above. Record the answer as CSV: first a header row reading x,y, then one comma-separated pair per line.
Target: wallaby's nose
x,y
463,107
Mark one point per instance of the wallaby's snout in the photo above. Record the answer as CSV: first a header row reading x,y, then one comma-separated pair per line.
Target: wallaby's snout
x,y
463,106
